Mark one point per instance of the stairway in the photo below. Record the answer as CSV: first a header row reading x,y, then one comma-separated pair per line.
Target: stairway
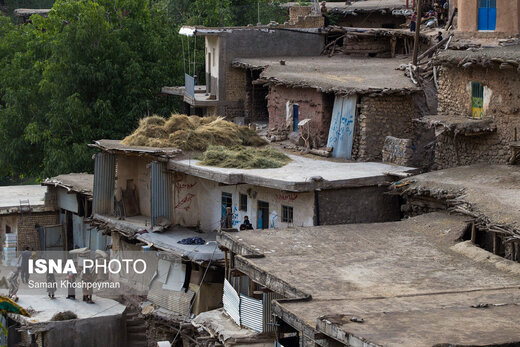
x,y
135,329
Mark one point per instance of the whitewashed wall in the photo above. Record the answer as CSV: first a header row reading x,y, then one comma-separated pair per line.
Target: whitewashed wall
x,y
197,201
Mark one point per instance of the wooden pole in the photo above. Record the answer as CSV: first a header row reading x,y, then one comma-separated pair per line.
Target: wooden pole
x,y
418,19
473,233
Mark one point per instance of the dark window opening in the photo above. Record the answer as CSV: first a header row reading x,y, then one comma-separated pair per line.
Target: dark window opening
x,y
287,214
263,215
243,202
7,229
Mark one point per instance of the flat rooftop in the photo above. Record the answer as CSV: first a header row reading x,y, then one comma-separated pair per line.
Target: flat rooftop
x,y
10,197
133,227
483,56
218,31
408,280
300,174
115,146
490,190
82,183
368,5
43,309
337,74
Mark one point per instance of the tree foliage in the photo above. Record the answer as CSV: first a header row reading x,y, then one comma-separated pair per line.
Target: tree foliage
x,y
91,70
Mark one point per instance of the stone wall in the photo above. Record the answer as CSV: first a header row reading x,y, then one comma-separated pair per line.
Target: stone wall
x,y
27,233
502,104
344,206
398,151
379,117
312,104
370,20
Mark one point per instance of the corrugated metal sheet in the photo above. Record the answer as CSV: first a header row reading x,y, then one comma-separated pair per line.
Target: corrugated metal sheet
x,y
175,301
104,183
231,302
268,318
78,232
251,313
161,192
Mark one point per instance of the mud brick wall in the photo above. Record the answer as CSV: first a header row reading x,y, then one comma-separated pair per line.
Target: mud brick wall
x,y
27,233
398,151
379,117
379,46
297,11
313,105
503,106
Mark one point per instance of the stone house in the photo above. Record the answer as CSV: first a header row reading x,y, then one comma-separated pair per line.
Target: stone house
x,y
223,93
73,194
304,192
351,103
478,118
26,214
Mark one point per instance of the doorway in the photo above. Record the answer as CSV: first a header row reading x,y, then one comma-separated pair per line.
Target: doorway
x,y
227,201
295,115
262,215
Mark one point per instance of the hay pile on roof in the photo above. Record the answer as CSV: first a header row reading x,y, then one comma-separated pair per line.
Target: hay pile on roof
x,y
67,315
242,157
191,133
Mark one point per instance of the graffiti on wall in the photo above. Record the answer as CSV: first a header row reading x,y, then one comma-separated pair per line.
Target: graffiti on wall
x,y
272,219
236,217
287,196
185,204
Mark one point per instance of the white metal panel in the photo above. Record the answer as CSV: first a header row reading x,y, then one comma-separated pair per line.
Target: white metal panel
x,y
231,302
162,270
176,276
251,313
67,201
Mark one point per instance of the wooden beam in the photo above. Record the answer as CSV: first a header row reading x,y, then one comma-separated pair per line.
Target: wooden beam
x,y
418,19
473,232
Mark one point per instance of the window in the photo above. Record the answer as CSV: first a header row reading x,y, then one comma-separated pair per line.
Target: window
x,y
477,100
243,202
7,229
287,214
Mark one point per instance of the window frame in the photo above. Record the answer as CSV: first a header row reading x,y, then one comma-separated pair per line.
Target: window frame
x,y
286,211
241,203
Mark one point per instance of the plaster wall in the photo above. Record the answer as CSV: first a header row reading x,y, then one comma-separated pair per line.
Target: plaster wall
x,y
197,201
501,103
136,169
212,62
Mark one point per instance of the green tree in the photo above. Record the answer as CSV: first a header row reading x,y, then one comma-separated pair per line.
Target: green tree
x,y
96,68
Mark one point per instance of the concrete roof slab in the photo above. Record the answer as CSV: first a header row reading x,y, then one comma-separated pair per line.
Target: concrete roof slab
x,y
405,279
301,174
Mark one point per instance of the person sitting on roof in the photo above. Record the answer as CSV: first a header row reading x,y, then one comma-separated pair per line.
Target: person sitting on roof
x,y
246,225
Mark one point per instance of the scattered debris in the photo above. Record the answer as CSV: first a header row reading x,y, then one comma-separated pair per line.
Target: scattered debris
x,y
67,315
192,241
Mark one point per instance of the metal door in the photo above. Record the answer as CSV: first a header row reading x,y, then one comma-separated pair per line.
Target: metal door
x,y
487,14
54,238
341,132
295,115
477,100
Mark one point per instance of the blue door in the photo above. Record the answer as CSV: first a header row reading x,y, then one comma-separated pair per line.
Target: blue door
x,y
295,112
487,14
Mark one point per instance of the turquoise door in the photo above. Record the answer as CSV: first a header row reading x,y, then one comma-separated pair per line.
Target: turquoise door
x,y
487,14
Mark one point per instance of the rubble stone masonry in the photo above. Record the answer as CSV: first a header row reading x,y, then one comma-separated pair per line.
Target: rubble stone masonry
x,y
379,117
27,233
312,104
502,104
